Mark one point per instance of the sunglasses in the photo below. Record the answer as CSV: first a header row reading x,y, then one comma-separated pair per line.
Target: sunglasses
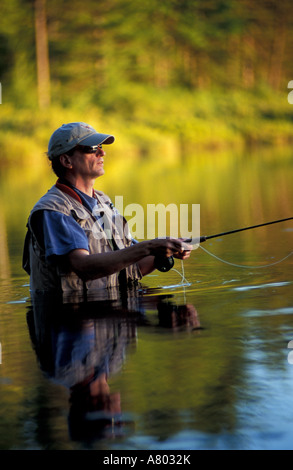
x,y
87,149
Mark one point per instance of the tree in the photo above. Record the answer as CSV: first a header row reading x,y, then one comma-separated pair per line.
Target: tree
x,y
42,54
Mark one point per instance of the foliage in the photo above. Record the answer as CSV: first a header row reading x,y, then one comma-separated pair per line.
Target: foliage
x,y
196,72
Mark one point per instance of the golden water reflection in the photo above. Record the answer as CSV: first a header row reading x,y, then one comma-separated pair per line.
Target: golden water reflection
x,y
194,355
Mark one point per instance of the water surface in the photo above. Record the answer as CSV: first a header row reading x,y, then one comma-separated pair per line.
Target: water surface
x,y
195,363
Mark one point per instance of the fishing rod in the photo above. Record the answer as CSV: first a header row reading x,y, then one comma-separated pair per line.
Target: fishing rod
x,y
195,241
165,264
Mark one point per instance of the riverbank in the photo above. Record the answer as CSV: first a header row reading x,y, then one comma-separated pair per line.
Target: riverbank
x,y
147,123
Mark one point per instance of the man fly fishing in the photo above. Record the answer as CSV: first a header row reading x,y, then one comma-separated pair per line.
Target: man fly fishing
x,y
76,239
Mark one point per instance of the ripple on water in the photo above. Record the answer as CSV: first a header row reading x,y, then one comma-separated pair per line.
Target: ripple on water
x,y
262,313
261,286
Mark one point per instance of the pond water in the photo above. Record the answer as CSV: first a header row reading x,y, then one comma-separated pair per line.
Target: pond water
x,y
194,362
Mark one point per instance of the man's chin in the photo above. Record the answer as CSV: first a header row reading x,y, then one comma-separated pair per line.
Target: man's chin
x,y
100,172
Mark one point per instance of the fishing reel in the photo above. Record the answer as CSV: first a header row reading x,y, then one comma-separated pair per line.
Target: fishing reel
x,y
163,264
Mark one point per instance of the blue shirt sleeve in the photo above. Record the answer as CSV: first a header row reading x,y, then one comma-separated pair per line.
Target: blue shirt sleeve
x,y
62,234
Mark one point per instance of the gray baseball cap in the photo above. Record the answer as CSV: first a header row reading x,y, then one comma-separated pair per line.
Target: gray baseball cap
x,y
69,135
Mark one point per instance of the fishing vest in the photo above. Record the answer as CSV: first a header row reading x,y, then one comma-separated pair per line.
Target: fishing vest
x,y
110,232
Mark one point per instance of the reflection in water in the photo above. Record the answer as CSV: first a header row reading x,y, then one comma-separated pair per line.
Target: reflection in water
x,y
4,255
176,317
80,346
228,386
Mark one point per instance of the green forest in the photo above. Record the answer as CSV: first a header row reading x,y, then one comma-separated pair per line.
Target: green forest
x,y
184,74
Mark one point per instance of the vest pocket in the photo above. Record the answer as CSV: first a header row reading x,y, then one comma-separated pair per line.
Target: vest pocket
x,y
71,282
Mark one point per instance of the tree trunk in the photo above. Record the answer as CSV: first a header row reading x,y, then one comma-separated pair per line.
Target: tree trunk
x,y
277,57
43,69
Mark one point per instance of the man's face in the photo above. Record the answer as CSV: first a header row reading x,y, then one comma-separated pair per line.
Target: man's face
x,y
88,163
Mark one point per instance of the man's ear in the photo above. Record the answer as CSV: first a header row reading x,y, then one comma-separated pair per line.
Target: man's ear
x,y
65,160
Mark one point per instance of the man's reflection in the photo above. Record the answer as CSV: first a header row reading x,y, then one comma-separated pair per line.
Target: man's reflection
x,y
178,317
82,345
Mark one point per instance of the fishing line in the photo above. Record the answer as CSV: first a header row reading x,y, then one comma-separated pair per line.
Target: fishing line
x,y
165,264
243,265
184,281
